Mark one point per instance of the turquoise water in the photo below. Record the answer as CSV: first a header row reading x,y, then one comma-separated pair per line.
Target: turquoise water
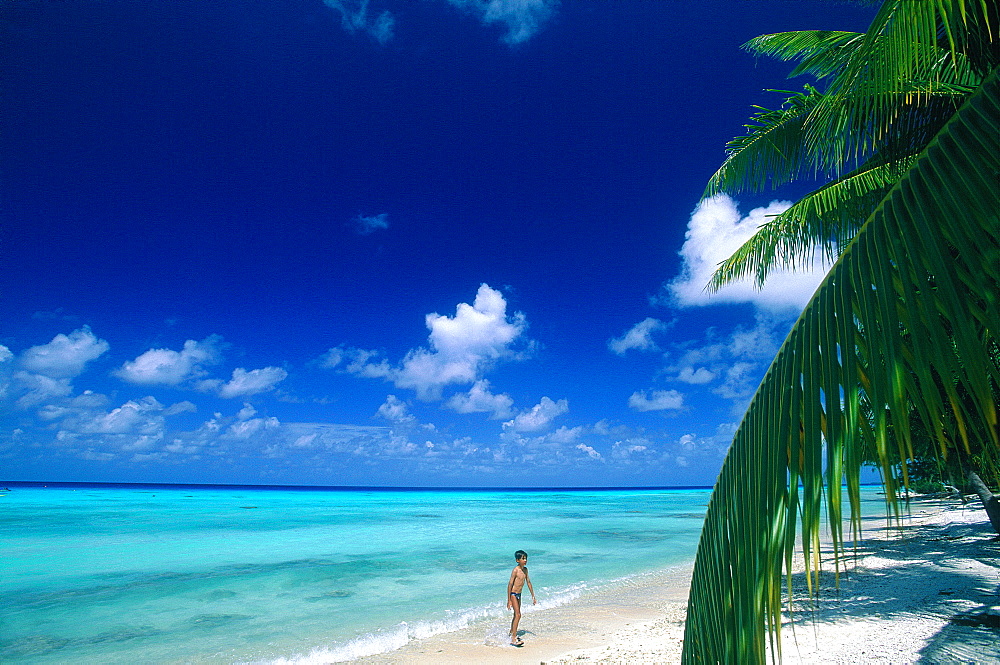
x,y
197,574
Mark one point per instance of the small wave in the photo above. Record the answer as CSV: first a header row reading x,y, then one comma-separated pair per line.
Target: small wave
x,y
551,599
366,645
384,641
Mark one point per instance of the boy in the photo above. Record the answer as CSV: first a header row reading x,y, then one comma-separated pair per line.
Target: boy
x,y
518,577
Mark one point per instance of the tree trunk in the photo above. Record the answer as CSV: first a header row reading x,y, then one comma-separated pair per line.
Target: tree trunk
x,y
990,500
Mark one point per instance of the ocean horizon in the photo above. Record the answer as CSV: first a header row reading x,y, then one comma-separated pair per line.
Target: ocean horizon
x,y
336,488
154,572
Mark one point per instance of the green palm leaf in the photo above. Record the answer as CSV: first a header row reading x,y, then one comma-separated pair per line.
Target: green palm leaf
x,y
771,153
827,218
821,52
907,321
890,90
914,50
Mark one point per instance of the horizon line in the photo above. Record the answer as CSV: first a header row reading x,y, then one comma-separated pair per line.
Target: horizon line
x,y
398,488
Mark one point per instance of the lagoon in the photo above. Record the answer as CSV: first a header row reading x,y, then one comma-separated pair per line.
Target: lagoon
x,y
168,573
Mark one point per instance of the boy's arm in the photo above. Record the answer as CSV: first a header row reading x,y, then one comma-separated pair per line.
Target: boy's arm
x,y
510,585
527,578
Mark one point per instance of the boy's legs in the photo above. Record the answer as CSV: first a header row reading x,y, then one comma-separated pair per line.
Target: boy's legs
x,y
516,604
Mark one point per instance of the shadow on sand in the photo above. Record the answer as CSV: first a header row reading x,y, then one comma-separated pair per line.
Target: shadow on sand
x,y
948,574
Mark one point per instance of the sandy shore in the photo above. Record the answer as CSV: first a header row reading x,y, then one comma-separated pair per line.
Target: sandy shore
x,y
927,594
593,620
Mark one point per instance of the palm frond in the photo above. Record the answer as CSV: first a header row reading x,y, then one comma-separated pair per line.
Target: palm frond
x,y
877,102
826,219
913,305
914,50
821,52
771,153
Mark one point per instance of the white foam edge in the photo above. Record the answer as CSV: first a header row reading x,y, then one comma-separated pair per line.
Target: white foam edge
x,y
390,639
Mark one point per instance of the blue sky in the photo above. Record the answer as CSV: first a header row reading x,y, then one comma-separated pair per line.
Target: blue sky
x,y
434,243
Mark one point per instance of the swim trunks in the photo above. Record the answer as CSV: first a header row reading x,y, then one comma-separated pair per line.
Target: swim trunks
x,y
516,595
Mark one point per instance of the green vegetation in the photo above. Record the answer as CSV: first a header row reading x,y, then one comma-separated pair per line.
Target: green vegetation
x,y
905,138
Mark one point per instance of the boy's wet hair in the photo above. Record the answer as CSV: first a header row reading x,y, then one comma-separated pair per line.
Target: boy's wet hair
x,y
520,554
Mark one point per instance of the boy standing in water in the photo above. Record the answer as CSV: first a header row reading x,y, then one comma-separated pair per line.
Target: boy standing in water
x,y
518,577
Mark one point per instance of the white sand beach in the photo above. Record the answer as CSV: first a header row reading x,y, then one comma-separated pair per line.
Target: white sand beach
x,y
928,593
593,620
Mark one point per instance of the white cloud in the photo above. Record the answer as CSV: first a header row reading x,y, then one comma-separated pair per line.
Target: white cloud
x,y
740,381
39,388
638,337
304,441
59,314
692,447
629,448
738,360
5,354
761,341
522,18
461,348
355,17
660,400
361,362
180,407
93,456
366,225
332,358
244,383
135,425
695,376
247,412
134,416
709,353
539,417
566,434
481,329
85,402
479,399
169,367
604,428
715,231
178,447
246,429
542,448
396,411
65,356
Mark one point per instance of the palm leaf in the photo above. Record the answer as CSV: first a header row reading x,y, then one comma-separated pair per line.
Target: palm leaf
x,y
821,52
891,90
771,153
827,218
913,305
914,50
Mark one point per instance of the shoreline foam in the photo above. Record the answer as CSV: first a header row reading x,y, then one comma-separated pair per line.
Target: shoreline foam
x,y
929,592
588,622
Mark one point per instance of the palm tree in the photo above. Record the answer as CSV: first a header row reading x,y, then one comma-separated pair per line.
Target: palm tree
x,y
907,136
861,135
